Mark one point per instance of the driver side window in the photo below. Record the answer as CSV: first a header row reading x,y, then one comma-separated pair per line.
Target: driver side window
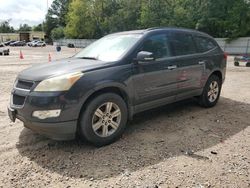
x,y
158,45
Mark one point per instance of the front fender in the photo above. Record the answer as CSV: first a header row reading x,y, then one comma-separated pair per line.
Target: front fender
x,y
106,85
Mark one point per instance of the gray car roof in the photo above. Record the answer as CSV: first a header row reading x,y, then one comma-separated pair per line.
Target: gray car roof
x,y
144,31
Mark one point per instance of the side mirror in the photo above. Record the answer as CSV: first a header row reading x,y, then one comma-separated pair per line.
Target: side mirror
x,y
144,56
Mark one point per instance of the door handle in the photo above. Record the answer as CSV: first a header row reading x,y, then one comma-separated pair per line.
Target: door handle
x,y
201,62
171,67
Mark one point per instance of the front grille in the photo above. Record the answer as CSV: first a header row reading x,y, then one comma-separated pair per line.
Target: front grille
x,y
18,100
24,84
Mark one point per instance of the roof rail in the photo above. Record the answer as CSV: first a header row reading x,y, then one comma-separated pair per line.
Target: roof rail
x,y
153,28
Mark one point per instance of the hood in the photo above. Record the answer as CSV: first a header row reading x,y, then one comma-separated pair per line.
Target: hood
x,y
42,71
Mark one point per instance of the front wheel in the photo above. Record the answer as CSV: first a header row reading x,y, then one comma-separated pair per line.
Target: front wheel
x,y
104,119
211,92
236,64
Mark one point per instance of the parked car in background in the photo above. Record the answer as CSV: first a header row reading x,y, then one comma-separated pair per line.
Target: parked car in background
x,y
18,43
39,44
244,59
95,92
4,50
30,44
7,43
70,45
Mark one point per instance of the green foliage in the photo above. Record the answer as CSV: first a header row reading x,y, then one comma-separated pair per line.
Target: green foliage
x,y
5,27
95,18
57,33
226,18
56,16
24,27
81,23
38,27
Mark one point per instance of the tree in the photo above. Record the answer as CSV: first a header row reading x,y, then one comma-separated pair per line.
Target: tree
x,y
5,27
95,18
57,33
227,18
56,16
38,27
24,27
81,23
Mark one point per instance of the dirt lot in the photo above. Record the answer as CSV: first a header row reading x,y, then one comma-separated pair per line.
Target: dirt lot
x,y
179,145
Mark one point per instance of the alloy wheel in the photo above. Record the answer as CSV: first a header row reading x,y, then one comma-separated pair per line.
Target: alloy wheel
x,y
213,92
106,119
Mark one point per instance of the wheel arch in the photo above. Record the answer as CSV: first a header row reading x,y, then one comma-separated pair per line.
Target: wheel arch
x,y
217,73
107,88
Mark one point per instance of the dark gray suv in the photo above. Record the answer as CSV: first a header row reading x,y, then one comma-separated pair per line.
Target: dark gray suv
x,y
94,93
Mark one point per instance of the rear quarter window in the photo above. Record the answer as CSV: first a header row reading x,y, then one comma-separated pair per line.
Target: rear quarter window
x,y
204,44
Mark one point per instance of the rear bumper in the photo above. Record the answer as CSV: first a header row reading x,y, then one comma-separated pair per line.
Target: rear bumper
x,y
241,59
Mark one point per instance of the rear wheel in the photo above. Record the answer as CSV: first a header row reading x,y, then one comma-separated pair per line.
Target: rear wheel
x,y
104,119
236,63
211,92
248,64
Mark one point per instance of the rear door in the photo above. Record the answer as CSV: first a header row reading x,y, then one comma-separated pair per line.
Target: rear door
x,y
190,65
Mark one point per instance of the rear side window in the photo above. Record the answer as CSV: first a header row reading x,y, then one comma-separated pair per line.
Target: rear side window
x,y
158,45
182,44
204,44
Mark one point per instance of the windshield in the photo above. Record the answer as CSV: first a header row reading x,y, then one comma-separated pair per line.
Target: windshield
x,y
109,48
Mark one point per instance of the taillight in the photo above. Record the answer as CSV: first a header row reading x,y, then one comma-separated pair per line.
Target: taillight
x,y
225,55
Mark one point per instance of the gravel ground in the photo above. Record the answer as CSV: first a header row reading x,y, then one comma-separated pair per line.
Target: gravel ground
x,y
179,145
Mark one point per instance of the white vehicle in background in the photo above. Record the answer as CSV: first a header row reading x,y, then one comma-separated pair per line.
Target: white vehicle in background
x,y
4,50
32,42
39,44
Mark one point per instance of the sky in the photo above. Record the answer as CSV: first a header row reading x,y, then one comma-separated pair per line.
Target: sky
x,y
31,12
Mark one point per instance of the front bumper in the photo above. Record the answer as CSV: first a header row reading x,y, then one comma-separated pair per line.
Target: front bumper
x,y
55,130
62,127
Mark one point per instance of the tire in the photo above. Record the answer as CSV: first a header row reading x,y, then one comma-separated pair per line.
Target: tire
x,y
105,133
206,100
248,64
236,64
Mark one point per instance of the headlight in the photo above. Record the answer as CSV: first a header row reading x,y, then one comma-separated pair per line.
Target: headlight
x,y
59,83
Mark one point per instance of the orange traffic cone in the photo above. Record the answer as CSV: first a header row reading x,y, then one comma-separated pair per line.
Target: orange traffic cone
x,y
49,58
21,55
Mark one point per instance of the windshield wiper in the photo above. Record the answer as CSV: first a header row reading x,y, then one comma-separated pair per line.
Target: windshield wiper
x,y
94,58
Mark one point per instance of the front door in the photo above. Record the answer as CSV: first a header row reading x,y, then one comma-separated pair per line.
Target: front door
x,y
156,79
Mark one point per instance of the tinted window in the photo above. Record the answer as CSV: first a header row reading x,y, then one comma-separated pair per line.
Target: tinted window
x,y
158,45
204,44
182,44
